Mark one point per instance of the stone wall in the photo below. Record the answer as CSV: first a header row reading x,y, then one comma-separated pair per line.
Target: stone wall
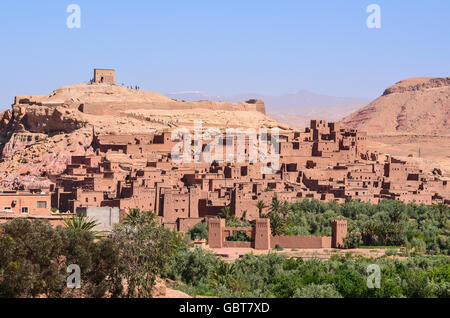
x,y
263,240
105,216
114,108
185,224
236,244
302,242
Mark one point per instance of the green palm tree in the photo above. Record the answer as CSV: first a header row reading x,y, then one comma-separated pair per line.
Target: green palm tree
x,y
225,213
277,214
80,222
224,271
276,206
261,206
135,217
285,209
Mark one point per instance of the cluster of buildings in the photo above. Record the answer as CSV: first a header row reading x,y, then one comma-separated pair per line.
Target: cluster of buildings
x,y
323,162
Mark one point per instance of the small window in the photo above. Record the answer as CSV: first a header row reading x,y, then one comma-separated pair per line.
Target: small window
x,y
7,209
25,210
41,204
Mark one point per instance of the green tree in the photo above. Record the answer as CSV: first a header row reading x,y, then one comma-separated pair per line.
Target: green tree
x,y
352,240
277,215
193,267
140,250
261,206
198,231
29,261
225,213
35,257
135,217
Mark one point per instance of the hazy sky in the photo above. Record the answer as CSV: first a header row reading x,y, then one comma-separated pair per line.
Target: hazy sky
x,y
223,47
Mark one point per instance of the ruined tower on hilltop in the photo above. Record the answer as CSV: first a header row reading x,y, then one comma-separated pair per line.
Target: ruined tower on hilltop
x,y
104,76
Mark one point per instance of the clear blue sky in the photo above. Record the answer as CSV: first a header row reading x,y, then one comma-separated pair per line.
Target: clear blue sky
x,y
223,47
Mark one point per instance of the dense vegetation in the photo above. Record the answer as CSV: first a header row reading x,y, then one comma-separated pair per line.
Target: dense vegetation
x,y
418,228
35,256
389,223
273,275
240,236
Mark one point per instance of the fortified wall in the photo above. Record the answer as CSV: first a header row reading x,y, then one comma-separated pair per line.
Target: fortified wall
x,y
263,240
111,108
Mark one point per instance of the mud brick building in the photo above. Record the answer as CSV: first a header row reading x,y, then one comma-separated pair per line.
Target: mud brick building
x,y
104,76
29,205
323,162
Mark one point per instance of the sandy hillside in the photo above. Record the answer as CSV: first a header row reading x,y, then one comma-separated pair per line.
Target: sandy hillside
x,y
39,134
417,105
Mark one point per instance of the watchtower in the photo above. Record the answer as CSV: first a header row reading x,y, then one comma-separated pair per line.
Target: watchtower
x,y
339,232
104,76
215,234
262,234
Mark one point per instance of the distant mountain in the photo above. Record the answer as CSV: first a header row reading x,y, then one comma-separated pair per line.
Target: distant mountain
x,y
295,109
416,105
301,116
290,102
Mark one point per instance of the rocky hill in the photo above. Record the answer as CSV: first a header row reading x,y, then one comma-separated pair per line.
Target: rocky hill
x,y
417,105
411,121
39,134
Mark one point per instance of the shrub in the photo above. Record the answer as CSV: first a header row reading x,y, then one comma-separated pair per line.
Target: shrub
x,y
278,247
352,240
391,252
240,236
198,232
233,222
317,291
190,266
418,245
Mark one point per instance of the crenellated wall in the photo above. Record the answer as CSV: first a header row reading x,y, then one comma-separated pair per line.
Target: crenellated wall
x,y
264,240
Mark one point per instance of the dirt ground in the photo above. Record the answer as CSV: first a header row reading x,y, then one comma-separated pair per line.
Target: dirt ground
x,y
173,293
232,254
428,152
